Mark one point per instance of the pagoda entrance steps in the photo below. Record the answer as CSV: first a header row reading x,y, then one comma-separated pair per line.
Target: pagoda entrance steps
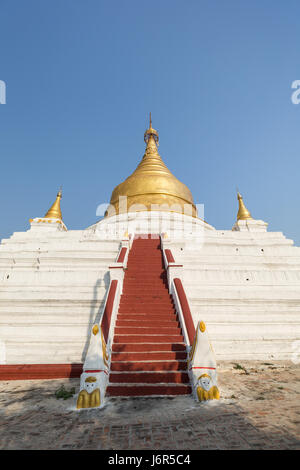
x,y
148,353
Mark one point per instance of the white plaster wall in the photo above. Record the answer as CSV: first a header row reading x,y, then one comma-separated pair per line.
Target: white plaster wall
x,y
52,288
246,287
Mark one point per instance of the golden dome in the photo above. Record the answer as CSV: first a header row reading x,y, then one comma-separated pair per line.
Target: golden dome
x,y
152,183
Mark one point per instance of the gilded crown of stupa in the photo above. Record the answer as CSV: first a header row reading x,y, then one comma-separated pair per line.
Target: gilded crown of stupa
x,y
152,186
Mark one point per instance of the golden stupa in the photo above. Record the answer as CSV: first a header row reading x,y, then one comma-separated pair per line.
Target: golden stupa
x,y
152,185
243,213
55,212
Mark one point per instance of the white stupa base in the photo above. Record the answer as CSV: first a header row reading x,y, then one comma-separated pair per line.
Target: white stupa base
x,y
244,284
250,225
47,224
174,224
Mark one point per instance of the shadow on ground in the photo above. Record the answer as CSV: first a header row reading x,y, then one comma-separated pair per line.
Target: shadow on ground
x,y
261,417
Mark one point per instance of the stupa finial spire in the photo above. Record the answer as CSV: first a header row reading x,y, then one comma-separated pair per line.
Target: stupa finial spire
x,y
243,213
151,132
55,212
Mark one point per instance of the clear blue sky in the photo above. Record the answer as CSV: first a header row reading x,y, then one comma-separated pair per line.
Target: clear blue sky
x,y
82,76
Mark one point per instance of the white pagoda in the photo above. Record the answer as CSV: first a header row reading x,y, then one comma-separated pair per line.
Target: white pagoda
x,y
243,283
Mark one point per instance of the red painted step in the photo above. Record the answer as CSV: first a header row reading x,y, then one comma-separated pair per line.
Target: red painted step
x,y
141,330
137,283
156,283
149,377
146,323
161,299
148,309
125,339
159,305
143,288
145,297
155,301
154,308
138,292
148,366
148,352
147,356
141,316
135,347
148,390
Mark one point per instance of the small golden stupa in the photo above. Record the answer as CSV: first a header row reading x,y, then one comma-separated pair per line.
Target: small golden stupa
x,y
243,213
152,183
55,212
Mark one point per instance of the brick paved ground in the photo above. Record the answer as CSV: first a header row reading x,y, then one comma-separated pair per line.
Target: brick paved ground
x,y
258,410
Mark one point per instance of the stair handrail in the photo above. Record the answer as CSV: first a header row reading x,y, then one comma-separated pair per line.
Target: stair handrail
x,y
174,274
95,375
184,310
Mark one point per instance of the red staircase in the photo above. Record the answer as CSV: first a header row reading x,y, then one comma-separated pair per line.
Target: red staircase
x,y
148,351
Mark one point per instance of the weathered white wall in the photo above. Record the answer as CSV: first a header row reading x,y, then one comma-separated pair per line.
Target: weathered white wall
x,y
52,287
246,287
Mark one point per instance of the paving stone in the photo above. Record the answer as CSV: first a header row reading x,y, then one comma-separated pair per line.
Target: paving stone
x,y
32,418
